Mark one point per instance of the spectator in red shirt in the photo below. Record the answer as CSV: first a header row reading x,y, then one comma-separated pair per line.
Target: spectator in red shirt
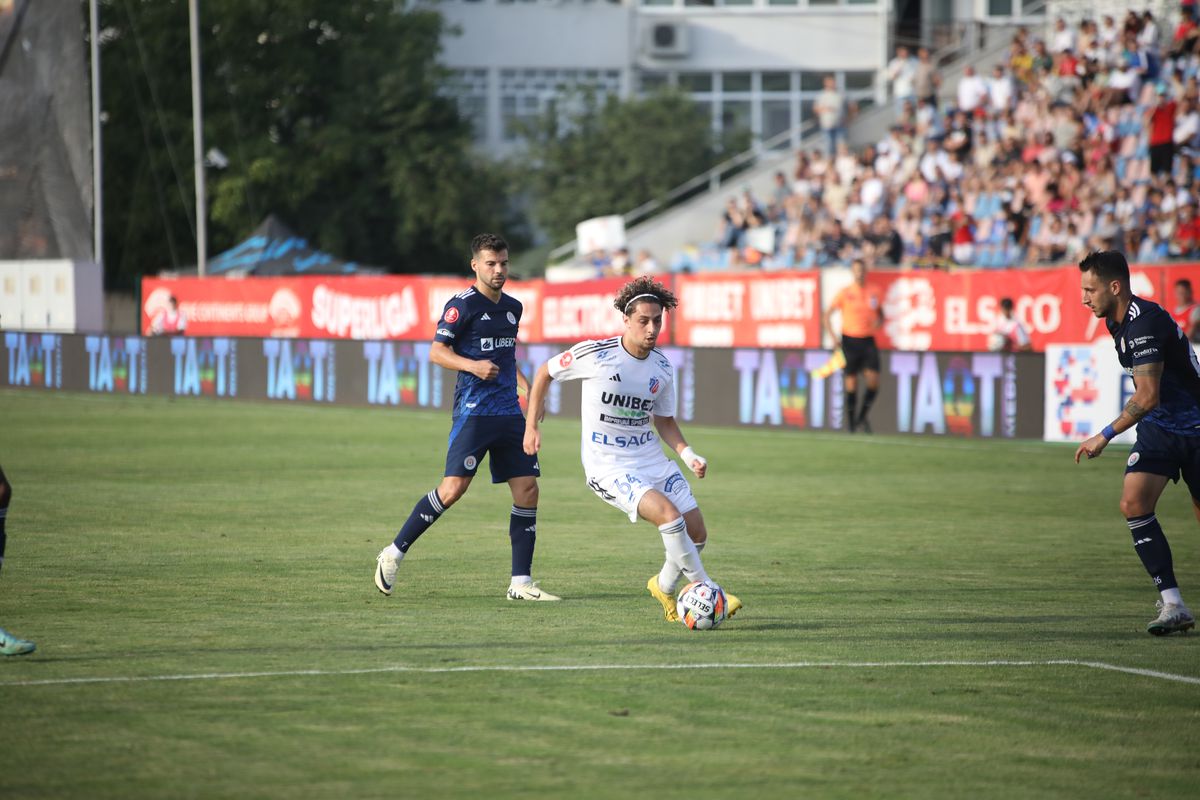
x,y
1186,239
1162,132
1185,312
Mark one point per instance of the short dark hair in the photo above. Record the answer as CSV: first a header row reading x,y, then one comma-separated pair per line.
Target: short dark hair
x,y
1006,303
1109,265
644,285
488,241
1184,282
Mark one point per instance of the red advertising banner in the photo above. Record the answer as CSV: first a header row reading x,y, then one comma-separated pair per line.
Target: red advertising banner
x,y
439,290
311,306
751,310
332,307
923,310
573,312
958,310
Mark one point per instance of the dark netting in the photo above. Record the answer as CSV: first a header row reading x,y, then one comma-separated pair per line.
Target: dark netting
x,y
45,131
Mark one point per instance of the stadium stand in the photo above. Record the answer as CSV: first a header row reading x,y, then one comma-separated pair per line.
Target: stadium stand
x,y
1083,138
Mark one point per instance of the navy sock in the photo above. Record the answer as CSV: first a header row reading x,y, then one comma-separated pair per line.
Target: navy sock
x,y
1151,546
424,513
3,536
851,402
522,532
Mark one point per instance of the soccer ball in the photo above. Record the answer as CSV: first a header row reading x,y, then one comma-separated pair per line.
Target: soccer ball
x,y
701,605
997,342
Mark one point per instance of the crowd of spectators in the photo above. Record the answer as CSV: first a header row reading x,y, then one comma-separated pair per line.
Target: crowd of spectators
x,y
1086,138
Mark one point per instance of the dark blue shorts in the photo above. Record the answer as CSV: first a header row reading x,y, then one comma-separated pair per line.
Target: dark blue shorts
x,y
1161,452
502,438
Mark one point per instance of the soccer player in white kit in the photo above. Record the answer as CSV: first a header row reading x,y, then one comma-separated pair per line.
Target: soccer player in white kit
x,y
628,394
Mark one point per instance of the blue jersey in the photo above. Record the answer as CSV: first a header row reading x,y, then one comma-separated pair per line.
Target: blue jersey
x,y
476,328
1148,335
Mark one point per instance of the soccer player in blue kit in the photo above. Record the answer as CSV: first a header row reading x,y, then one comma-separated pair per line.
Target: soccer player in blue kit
x,y
477,336
1166,409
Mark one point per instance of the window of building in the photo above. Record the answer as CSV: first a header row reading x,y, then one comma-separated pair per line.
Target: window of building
x,y
526,94
650,82
469,89
776,117
776,81
696,81
736,82
812,81
860,80
766,103
735,115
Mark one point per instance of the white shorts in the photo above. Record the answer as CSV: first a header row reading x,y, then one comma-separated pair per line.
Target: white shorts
x,y
625,488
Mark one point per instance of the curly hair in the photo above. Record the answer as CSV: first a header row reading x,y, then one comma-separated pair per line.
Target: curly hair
x,y
644,288
488,241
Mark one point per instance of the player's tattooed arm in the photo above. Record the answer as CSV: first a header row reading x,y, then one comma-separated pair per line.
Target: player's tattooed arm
x,y
1135,411
1146,378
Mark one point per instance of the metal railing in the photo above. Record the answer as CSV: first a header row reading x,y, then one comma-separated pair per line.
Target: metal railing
x,y
709,181
966,39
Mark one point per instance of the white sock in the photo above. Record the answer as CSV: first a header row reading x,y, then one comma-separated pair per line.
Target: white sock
x,y
393,552
520,580
682,551
668,576
1171,597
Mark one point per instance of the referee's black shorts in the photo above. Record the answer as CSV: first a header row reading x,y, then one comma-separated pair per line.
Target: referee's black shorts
x,y
861,353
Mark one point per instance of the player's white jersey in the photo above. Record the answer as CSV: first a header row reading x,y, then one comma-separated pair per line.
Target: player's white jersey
x,y
621,395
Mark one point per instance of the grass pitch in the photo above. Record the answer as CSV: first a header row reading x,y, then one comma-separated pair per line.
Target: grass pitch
x,y
161,539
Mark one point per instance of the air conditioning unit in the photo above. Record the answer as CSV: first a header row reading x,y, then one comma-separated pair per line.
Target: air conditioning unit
x,y
666,39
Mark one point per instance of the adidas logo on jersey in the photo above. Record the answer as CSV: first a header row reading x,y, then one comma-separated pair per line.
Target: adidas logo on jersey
x,y
485,316
616,377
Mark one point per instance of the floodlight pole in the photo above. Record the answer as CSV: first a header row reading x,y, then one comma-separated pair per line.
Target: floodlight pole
x,y
198,141
97,171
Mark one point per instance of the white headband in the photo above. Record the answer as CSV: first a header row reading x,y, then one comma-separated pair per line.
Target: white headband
x,y
635,298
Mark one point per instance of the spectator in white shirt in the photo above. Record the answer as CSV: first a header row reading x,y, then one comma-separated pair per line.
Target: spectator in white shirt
x,y
1000,91
972,91
1147,37
936,165
1110,34
1064,37
1187,124
902,73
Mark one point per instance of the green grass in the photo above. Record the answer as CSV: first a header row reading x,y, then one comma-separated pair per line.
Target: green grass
x,y
152,538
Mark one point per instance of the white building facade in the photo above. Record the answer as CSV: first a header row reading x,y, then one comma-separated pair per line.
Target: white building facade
x,y
756,65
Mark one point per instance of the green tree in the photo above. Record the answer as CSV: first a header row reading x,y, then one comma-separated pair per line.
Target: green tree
x,y
609,156
329,114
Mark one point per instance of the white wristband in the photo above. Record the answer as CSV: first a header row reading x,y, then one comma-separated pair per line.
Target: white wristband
x,y
689,455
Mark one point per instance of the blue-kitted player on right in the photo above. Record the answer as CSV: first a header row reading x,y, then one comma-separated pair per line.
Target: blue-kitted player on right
x,y
1166,409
